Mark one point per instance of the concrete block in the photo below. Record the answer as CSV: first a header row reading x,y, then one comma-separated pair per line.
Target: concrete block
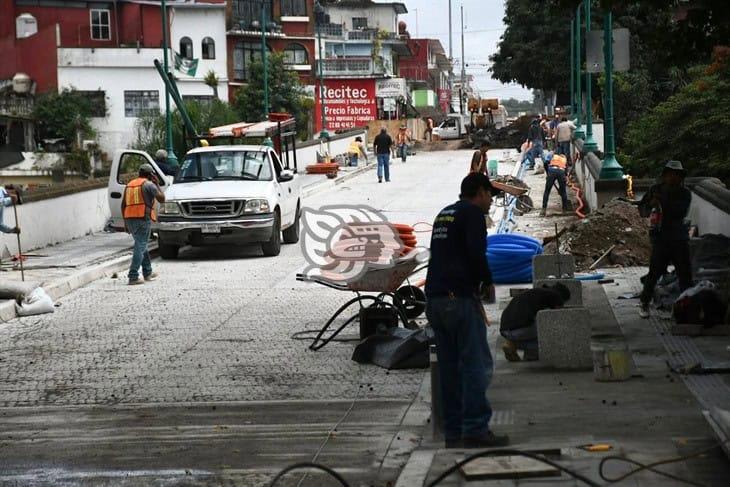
x,y
564,338
552,266
574,286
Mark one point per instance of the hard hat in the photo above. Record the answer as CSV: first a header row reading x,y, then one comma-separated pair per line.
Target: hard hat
x,y
161,154
147,168
204,143
674,166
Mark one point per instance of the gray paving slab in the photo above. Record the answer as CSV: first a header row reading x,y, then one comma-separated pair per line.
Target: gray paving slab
x,y
564,338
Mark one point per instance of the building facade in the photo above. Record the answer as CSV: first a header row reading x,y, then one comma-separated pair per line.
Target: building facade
x,y
427,72
107,50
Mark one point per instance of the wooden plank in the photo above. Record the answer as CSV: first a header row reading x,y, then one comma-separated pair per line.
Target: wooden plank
x,y
507,467
701,330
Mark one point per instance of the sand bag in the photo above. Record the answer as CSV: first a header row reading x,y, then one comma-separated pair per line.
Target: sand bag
x,y
36,303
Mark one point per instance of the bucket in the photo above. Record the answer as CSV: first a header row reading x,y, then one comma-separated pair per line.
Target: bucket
x,y
611,358
492,168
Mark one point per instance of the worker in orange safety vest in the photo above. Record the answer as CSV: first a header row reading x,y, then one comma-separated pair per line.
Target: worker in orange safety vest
x,y
138,210
555,171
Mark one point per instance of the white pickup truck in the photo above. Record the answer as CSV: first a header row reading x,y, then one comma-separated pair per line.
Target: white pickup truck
x,y
226,194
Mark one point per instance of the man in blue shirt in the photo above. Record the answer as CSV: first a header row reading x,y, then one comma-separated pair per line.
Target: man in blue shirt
x,y
7,199
458,273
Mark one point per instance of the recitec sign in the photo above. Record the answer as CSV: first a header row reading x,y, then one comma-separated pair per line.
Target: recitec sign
x,y
347,103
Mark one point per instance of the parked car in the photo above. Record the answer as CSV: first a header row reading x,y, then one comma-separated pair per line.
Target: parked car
x,y
228,194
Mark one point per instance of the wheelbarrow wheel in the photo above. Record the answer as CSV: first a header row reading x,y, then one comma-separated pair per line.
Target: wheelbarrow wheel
x,y
412,300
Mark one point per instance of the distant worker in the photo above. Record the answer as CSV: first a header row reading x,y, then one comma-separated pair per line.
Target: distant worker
x,y
356,150
402,139
517,324
429,129
458,273
162,162
479,159
563,135
534,139
553,132
556,169
138,210
382,145
8,198
667,204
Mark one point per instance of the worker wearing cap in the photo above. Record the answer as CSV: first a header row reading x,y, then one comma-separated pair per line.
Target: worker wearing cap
x,y
556,167
667,204
401,140
355,150
161,161
138,210
7,199
458,273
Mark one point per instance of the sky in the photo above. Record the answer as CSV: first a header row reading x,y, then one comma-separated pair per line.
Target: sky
x,y
482,29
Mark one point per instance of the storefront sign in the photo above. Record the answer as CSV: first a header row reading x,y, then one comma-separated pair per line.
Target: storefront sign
x,y
444,99
390,88
347,103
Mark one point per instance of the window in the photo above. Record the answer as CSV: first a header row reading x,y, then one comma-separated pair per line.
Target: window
x,y
97,98
129,167
295,54
245,12
186,48
204,100
232,164
139,103
100,30
208,48
359,23
294,8
244,53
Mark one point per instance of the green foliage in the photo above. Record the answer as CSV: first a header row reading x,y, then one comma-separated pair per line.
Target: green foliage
x,y
534,50
286,94
515,106
63,115
151,128
690,126
77,161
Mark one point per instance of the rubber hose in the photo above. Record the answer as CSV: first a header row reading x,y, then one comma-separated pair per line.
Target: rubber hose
x,y
510,257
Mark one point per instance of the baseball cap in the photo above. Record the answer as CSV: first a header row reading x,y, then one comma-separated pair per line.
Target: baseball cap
x,y
146,169
473,181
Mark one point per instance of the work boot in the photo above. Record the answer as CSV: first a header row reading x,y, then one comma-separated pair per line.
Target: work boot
x,y
380,180
151,277
135,282
644,311
487,440
543,212
510,351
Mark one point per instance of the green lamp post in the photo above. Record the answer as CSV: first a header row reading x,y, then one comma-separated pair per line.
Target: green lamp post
x,y
590,144
610,169
572,67
578,134
264,24
171,157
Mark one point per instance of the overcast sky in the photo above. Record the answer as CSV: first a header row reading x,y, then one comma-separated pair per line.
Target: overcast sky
x,y
482,29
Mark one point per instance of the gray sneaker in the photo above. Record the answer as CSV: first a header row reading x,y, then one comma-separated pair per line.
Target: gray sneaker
x,y
644,311
135,282
151,277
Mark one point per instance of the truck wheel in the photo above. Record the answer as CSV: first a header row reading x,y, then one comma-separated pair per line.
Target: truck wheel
x,y
291,234
272,248
168,251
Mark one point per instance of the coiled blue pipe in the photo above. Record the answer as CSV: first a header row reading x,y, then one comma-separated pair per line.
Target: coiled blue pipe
x,y
510,257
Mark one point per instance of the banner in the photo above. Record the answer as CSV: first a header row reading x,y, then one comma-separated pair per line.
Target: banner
x,y
390,88
186,66
347,103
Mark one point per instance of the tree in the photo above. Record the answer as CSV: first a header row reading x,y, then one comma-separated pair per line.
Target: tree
x,y
690,126
64,115
212,80
286,93
515,106
534,50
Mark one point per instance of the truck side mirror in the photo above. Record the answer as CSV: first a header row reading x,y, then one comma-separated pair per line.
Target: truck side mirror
x,y
286,175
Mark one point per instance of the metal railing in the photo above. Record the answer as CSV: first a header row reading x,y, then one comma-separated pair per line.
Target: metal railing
x,y
16,107
350,66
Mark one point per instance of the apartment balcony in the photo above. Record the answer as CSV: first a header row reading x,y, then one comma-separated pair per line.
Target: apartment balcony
x,y
16,107
353,67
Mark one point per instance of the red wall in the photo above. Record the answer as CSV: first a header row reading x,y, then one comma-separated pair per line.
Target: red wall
x,y
415,67
40,65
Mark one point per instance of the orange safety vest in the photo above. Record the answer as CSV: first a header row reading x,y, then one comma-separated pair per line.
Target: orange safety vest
x,y
559,161
134,204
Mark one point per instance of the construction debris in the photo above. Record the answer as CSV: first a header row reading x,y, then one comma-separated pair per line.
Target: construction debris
x,y
616,227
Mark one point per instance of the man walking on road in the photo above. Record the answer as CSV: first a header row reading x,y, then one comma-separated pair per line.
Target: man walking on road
x,y
402,139
7,199
138,209
555,172
563,134
667,204
457,270
382,145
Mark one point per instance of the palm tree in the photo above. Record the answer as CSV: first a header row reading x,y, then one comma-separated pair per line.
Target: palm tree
x,y
212,80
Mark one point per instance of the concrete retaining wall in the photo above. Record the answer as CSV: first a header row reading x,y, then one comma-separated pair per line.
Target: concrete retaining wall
x,y
338,144
51,221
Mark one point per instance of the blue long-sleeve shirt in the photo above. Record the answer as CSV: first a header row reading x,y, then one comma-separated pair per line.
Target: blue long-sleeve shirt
x,y
6,201
458,261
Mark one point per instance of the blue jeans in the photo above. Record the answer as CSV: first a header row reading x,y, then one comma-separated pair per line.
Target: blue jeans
x,y
403,151
384,166
465,365
555,174
353,160
564,149
140,230
535,151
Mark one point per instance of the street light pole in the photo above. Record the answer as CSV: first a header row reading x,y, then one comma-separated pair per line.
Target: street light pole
x,y
171,158
263,59
572,67
610,169
590,144
579,134
319,20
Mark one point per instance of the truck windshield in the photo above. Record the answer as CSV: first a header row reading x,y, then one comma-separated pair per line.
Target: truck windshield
x,y
225,165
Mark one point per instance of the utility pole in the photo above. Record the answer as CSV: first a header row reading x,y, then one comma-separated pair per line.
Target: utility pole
x,y
590,144
263,59
579,134
610,169
171,158
463,65
451,38
572,68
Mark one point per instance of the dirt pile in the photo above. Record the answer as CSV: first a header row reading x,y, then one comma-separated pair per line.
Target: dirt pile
x,y
512,136
617,224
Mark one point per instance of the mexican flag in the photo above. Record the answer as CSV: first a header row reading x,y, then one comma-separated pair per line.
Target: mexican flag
x,y
186,66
